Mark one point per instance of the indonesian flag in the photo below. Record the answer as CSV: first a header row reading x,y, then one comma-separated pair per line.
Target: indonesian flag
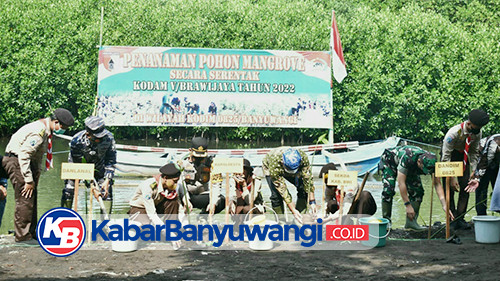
x,y
338,62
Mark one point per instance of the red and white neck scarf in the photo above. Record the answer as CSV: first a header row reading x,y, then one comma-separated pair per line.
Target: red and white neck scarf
x,y
467,145
48,163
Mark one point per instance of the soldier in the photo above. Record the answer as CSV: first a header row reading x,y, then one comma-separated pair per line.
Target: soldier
x,y
23,162
405,164
486,172
197,176
95,145
461,143
286,163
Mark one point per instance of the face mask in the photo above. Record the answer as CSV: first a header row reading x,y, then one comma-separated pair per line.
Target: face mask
x,y
475,131
59,132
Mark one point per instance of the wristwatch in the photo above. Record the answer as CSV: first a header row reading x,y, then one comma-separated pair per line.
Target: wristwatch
x,y
407,203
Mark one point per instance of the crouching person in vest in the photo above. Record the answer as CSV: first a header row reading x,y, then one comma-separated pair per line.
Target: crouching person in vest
x,y
94,145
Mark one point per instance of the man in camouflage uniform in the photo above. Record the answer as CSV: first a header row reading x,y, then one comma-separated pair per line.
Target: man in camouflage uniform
x,y
292,165
95,145
405,164
23,164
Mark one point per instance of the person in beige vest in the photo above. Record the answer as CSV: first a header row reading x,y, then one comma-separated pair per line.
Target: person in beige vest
x,y
23,164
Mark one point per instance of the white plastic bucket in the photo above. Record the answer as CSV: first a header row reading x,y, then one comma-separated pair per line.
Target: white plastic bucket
x,y
125,246
487,229
266,244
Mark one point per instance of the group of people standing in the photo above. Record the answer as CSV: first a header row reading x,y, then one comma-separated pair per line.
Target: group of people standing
x,y
405,164
190,183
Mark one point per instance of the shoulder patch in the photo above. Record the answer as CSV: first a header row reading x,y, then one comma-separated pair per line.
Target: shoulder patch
x,y
154,185
42,132
32,142
147,196
449,139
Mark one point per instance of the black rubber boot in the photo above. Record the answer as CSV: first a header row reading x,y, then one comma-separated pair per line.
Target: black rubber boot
x,y
386,209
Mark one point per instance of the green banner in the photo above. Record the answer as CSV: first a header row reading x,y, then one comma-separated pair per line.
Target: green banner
x,y
155,86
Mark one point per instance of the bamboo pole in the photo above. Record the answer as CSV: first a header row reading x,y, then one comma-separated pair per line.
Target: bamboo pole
x,y
430,213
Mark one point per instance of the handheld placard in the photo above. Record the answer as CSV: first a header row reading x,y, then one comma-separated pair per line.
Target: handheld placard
x,y
342,179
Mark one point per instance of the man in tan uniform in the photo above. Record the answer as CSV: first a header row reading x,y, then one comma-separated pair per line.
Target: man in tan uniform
x,y
461,143
157,196
23,163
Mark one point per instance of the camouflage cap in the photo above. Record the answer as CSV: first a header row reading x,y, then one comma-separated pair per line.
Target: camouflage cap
x,y
95,126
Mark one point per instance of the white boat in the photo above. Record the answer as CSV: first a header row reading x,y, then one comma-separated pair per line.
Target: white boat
x,y
145,161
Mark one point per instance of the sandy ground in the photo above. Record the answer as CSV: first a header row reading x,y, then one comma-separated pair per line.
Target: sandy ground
x,y
403,257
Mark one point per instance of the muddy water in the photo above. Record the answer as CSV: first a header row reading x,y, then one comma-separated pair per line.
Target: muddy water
x,y
50,186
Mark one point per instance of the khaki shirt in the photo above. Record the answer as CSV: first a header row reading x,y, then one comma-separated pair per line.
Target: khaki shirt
x,y
29,143
455,140
146,196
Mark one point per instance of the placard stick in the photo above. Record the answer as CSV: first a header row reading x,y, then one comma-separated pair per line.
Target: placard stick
x,y
430,213
252,197
91,208
341,208
447,207
323,207
227,198
210,197
75,197
226,240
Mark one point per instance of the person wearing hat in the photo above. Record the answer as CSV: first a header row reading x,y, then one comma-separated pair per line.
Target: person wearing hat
x,y
197,177
157,196
94,145
23,162
461,143
242,186
404,165
365,204
289,164
486,172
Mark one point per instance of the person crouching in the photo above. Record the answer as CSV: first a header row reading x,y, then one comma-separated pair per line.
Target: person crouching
x,y
157,196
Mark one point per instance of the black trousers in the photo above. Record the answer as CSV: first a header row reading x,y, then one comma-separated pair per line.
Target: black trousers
x,y
463,196
201,201
482,190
